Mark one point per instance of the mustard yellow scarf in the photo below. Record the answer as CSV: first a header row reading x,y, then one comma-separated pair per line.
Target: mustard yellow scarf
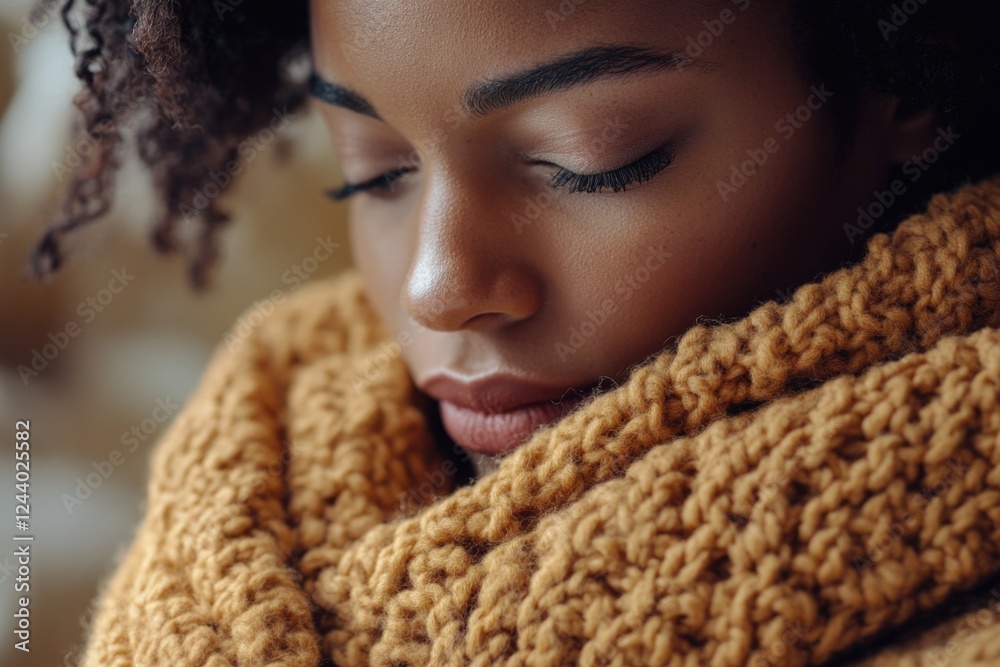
x,y
816,483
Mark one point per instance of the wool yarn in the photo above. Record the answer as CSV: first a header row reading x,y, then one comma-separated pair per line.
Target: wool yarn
x,y
816,483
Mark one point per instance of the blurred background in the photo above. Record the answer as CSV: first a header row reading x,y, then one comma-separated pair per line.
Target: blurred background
x,y
135,353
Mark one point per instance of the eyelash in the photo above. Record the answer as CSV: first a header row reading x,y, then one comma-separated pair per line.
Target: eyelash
x,y
618,179
381,184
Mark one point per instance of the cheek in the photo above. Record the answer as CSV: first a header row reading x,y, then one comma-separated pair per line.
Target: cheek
x,y
382,255
680,254
762,202
621,285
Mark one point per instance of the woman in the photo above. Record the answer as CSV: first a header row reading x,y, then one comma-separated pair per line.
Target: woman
x,y
658,350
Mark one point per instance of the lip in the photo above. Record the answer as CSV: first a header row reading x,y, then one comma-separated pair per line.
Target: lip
x,y
494,414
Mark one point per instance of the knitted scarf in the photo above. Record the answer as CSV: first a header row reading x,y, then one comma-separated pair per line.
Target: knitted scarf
x,y
815,483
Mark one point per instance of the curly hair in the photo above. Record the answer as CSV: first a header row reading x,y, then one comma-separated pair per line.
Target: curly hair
x,y
192,80
189,81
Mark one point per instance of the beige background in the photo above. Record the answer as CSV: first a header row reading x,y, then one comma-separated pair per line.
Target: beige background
x,y
150,342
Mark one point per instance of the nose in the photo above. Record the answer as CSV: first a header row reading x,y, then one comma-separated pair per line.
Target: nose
x,y
470,268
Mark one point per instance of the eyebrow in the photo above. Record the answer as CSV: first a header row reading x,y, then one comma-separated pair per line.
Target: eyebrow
x,y
575,69
340,96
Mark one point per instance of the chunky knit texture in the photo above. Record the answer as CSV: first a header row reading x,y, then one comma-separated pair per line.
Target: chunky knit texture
x,y
816,483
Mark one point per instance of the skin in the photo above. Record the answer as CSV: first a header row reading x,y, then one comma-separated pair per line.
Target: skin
x,y
477,291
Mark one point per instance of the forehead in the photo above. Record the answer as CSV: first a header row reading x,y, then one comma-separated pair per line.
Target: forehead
x,y
377,45
413,63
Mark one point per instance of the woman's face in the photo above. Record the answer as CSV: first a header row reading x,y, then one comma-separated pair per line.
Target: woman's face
x,y
507,276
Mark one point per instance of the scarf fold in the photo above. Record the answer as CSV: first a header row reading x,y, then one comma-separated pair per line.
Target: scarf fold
x,y
796,487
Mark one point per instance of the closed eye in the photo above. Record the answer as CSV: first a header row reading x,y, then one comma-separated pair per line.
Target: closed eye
x,y
382,185
618,179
